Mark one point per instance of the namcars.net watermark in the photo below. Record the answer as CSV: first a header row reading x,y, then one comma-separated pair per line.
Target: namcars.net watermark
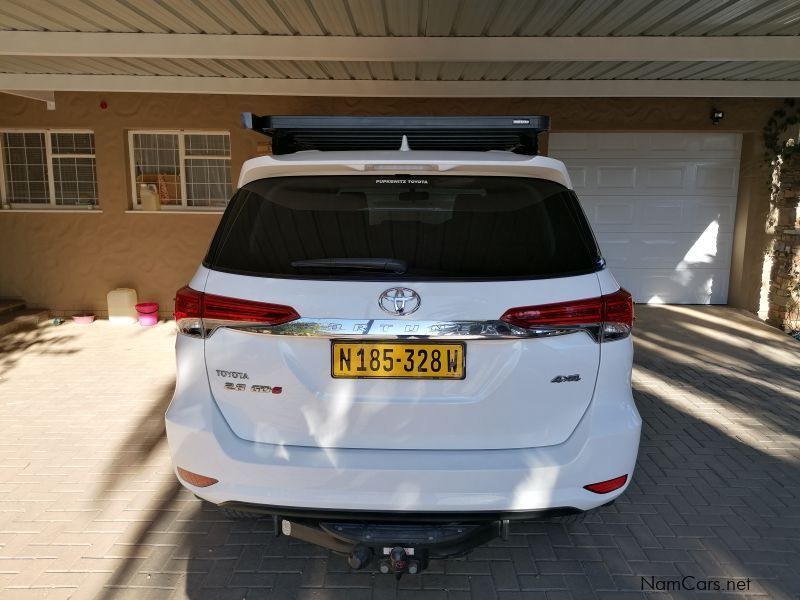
x,y
689,583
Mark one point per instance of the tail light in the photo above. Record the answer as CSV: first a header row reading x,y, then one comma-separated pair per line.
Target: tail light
x,y
606,318
189,311
199,314
604,487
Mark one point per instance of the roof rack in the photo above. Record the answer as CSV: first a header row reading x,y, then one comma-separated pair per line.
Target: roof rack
x,y
295,133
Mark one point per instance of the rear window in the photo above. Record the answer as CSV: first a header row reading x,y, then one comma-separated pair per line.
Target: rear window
x,y
427,227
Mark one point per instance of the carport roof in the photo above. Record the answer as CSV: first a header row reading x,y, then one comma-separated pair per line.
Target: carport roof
x,y
404,47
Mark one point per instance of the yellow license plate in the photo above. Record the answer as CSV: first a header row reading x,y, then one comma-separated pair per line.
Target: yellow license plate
x,y
393,360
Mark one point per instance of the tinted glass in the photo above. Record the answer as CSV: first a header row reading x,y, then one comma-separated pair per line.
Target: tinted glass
x,y
442,227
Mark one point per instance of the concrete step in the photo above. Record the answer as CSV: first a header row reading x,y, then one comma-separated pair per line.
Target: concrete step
x,y
8,305
22,319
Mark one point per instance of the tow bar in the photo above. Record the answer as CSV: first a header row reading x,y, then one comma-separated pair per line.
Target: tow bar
x,y
400,547
401,560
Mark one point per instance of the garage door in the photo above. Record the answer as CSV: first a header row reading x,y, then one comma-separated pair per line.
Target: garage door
x,y
662,206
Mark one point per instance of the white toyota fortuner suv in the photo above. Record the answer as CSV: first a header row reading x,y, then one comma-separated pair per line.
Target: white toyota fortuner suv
x,y
401,339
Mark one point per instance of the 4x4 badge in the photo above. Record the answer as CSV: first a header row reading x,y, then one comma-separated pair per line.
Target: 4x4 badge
x,y
399,301
563,378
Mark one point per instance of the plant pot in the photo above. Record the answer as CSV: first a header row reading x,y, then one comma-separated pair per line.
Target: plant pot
x,y
148,313
83,318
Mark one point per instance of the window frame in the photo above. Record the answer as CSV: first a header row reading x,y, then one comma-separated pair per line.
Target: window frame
x,y
51,182
181,133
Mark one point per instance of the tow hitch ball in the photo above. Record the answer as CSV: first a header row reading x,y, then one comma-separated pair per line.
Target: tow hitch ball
x,y
398,562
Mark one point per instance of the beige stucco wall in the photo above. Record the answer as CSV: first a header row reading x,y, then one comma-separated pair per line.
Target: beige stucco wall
x,y
68,262
749,235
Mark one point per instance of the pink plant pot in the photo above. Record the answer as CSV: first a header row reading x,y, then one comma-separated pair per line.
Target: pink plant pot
x,y
83,318
148,313
148,320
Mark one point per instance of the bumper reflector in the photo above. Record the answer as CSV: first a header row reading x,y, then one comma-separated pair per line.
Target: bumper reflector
x,y
604,487
195,479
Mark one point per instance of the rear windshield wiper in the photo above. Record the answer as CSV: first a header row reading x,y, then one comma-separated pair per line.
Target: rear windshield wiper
x,y
389,265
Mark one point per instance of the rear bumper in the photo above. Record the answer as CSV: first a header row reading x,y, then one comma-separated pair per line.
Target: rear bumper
x,y
317,515
603,446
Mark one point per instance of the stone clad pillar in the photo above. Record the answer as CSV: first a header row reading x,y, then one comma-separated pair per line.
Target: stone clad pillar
x,y
783,227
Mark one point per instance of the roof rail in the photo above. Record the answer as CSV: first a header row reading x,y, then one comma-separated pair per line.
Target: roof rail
x,y
295,133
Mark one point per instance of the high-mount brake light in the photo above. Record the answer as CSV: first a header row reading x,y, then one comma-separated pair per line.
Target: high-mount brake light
x,y
198,314
606,318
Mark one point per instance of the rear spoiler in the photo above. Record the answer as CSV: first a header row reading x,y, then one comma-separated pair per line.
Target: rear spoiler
x,y
294,133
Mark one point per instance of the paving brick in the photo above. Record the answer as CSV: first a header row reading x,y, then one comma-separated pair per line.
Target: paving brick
x,y
598,576
445,582
542,582
349,580
541,547
251,580
552,595
664,555
558,567
578,553
287,584
468,567
422,595
504,576
409,582
334,594
385,588
679,543
274,564
614,562
647,568
313,574
523,561
593,541
532,595
482,588
628,595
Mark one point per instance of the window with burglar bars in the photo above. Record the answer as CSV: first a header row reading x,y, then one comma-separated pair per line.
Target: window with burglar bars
x,y
180,169
48,168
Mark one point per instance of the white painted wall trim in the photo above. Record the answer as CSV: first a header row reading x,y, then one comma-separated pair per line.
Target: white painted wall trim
x,y
407,49
385,88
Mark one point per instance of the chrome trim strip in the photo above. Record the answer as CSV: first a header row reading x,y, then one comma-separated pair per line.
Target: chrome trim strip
x,y
399,329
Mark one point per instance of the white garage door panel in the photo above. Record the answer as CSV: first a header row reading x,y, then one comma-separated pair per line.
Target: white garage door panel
x,y
658,213
661,145
664,251
663,286
662,206
614,176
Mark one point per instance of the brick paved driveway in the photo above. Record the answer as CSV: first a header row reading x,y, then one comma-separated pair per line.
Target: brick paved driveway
x,y
89,507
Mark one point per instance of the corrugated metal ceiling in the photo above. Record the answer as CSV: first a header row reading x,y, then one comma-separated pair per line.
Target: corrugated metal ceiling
x,y
409,17
745,59
432,71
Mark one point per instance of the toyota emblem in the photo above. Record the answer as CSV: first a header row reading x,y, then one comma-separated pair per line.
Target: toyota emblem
x,y
399,301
